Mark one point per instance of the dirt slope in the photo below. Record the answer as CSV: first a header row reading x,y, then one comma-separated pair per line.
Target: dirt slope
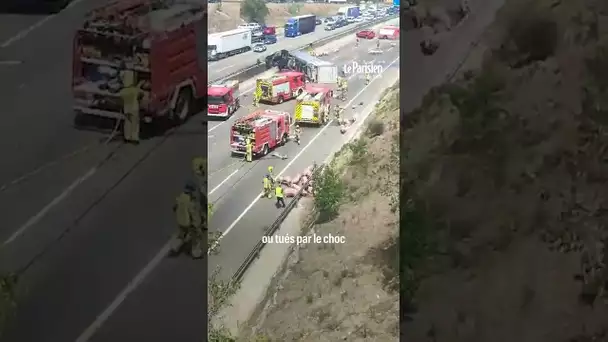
x,y
504,181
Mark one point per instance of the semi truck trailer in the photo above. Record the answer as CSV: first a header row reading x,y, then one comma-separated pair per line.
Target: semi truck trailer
x,y
300,25
223,44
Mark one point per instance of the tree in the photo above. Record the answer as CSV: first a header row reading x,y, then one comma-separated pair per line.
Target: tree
x,y
328,193
254,11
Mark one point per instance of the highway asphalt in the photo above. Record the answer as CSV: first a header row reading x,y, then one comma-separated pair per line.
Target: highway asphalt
x,y
232,64
96,227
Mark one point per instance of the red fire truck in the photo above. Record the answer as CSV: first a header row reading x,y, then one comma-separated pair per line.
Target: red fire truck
x,y
160,43
389,32
223,99
280,87
266,129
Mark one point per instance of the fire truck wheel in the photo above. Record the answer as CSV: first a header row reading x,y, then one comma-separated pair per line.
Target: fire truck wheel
x,y
284,139
183,105
280,99
265,150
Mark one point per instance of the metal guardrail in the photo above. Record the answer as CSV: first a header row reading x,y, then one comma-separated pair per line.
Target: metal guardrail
x,y
250,71
238,275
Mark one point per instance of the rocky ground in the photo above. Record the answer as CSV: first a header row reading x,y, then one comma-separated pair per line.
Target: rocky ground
x,y
504,189
348,292
227,16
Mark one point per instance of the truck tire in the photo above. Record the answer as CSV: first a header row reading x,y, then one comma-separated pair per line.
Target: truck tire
x,y
284,139
265,150
183,105
280,99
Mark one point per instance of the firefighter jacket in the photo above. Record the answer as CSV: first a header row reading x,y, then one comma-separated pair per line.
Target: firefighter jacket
x,y
186,211
266,183
278,191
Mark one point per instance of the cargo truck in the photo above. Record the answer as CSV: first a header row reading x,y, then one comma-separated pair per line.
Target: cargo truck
x,y
316,70
349,11
224,44
300,25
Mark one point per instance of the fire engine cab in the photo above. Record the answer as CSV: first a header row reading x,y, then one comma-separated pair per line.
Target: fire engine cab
x,y
313,105
223,99
281,87
265,128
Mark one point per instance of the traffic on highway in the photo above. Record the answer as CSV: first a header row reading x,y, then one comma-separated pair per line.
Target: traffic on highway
x,y
242,59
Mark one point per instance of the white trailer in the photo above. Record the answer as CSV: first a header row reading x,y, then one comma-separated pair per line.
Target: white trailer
x,y
327,73
224,44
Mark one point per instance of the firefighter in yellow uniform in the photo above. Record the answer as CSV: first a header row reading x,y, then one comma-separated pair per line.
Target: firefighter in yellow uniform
x,y
344,90
189,222
256,99
278,192
131,94
368,78
298,132
338,113
271,173
199,166
267,186
248,150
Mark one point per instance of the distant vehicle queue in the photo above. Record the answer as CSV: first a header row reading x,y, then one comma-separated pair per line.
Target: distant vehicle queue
x,y
255,37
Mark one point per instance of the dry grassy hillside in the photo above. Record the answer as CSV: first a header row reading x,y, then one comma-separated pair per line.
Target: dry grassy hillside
x,y
504,186
227,16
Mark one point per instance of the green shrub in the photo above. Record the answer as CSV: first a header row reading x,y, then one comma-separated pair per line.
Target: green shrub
x,y
532,35
375,128
254,10
328,193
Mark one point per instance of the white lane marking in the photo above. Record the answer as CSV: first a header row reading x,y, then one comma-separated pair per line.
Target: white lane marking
x,y
140,277
21,34
257,198
222,182
36,218
224,68
133,284
74,3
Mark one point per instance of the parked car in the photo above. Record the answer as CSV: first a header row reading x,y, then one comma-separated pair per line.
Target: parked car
x,y
318,21
330,27
367,34
259,48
